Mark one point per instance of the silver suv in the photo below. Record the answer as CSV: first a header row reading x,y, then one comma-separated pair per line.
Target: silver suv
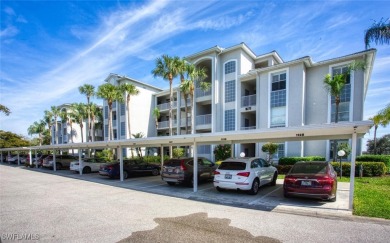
x,y
180,170
61,161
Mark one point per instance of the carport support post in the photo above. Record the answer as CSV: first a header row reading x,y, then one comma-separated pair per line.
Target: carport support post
x,y
18,158
54,161
352,176
162,156
36,158
120,162
195,149
232,150
30,155
80,162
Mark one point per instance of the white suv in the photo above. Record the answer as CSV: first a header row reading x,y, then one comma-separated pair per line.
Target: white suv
x,y
244,174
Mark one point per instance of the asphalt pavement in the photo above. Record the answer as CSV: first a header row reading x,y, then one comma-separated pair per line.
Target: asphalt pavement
x,y
49,207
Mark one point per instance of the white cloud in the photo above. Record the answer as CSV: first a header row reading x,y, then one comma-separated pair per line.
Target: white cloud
x,y
9,31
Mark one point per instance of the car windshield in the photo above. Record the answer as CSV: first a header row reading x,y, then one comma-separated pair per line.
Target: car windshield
x,y
172,162
309,168
232,166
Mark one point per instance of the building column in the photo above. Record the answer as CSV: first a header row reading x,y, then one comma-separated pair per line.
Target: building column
x,y
80,161
119,151
195,173
352,175
54,161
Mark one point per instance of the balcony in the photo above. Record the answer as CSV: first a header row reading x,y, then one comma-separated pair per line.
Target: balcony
x,y
165,106
165,124
203,119
249,100
188,103
201,93
183,121
248,128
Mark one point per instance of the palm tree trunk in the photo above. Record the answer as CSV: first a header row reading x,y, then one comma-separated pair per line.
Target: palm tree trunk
x,y
82,134
375,128
336,120
56,132
89,122
170,113
186,112
110,132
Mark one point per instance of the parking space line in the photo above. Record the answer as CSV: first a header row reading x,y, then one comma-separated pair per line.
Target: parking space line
x,y
257,200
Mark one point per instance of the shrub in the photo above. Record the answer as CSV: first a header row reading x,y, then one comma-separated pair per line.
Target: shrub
x,y
283,169
154,159
178,152
369,168
375,158
293,160
222,151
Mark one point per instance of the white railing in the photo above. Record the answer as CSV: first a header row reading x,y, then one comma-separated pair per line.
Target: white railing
x,y
188,102
248,100
165,124
203,119
200,93
165,106
248,128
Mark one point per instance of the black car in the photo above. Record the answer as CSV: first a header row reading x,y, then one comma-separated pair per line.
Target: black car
x,y
181,170
130,167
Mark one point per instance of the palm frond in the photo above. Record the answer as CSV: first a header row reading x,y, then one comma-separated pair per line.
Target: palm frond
x,y
378,33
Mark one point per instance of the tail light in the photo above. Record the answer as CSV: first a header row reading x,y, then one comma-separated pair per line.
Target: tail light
x,y
245,174
325,181
217,172
110,167
290,180
183,166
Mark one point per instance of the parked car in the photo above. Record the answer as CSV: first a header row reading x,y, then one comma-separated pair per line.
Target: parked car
x,y
316,179
181,170
130,167
247,174
61,161
39,160
12,158
89,165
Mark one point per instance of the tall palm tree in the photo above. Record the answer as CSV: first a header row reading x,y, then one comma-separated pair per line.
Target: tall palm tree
x,y
110,93
95,114
378,119
168,68
79,113
334,85
379,32
89,91
5,110
156,115
37,128
129,90
138,149
56,112
48,117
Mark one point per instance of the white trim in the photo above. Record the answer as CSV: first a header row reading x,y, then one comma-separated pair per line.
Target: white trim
x,y
287,70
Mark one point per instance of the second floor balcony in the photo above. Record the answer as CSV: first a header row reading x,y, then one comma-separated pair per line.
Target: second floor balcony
x,y
165,106
249,100
203,119
201,93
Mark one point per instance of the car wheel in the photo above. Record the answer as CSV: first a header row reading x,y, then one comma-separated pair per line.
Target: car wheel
x,y
255,187
125,175
155,172
171,183
58,166
87,170
273,182
219,189
333,199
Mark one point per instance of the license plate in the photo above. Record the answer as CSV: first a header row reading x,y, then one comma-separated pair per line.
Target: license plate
x,y
170,170
306,183
228,176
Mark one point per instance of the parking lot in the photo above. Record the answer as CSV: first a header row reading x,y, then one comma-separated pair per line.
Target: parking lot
x,y
269,198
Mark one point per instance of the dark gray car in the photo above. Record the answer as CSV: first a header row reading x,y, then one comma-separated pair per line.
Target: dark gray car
x,y
180,170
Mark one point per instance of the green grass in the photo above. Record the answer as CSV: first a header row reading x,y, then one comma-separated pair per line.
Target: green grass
x,y
371,197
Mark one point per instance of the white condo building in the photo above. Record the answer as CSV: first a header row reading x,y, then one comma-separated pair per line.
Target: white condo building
x,y
250,91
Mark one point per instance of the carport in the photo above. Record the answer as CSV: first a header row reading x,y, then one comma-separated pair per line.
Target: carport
x,y
328,131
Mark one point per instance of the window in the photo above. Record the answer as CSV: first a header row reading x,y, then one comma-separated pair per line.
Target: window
x,y
230,120
106,112
345,96
255,164
106,131
280,153
230,91
123,129
113,115
123,110
124,152
278,100
115,134
230,67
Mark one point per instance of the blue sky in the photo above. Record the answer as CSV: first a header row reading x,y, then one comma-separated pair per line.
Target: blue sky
x,y
50,48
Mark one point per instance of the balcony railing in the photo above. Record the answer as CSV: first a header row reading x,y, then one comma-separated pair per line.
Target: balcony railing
x,y
203,119
188,102
165,124
248,128
165,106
183,121
201,93
249,100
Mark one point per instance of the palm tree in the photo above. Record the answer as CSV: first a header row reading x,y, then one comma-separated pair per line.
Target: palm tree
x,y
129,90
378,119
156,115
79,113
48,117
379,32
96,113
168,68
110,93
138,149
5,110
56,112
334,85
37,128
88,90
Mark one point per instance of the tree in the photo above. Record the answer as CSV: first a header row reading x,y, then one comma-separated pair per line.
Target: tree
x,y
79,113
269,148
138,149
110,93
11,140
48,118
56,113
156,115
168,68
378,120
89,91
379,32
37,128
222,152
178,152
129,90
96,115
382,146
5,110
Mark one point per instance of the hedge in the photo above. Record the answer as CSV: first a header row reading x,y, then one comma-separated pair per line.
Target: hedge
x,y
293,160
375,158
369,168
